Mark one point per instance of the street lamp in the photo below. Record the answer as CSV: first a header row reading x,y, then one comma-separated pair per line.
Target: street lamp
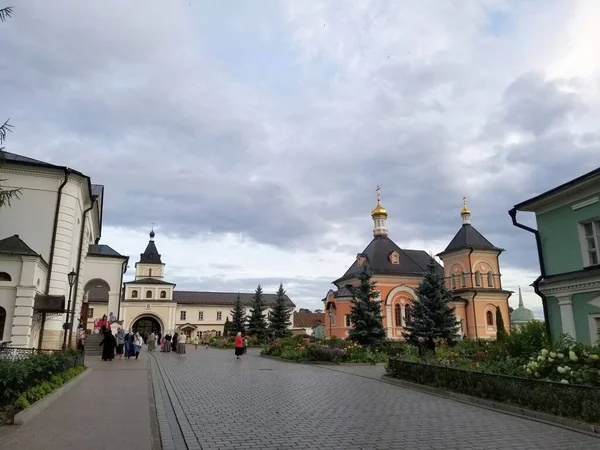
x,y
71,276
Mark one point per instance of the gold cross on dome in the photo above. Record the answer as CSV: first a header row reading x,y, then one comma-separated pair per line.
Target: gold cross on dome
x,y
377,190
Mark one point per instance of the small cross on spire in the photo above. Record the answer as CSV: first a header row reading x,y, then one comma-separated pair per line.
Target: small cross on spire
x,y
153,225
378,193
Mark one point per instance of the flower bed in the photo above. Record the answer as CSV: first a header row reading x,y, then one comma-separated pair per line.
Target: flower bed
x,y
566,400
303,349
229,342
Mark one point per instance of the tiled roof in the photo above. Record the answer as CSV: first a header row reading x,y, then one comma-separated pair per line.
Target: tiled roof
x,y
150,255
14,245
103,250
223,298
469,237
308,319
149,281
342,292
13,157
377,253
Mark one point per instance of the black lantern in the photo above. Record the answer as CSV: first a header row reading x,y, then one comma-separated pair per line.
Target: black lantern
x,y
72,276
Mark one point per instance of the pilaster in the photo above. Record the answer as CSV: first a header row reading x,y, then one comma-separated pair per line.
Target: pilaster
x,y
23,317
565,304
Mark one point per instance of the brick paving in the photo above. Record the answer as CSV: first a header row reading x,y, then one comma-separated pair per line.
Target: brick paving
x,y
210,400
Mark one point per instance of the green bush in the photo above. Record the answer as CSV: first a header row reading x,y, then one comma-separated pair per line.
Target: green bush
x,y
566,400
35,393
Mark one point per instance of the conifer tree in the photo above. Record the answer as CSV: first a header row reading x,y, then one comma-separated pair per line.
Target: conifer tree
x,y
431,315
257,323
365,313
500,330
279,316
238,317
226,327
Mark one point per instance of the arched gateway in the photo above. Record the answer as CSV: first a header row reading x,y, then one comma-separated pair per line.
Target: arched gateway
x,y
146,325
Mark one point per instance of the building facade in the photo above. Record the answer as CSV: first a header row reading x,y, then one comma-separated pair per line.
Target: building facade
x,y
471,269
568,242
50,256
151,303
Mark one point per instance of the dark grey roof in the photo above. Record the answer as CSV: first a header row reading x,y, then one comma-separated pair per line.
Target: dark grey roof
x,y
468,237
13,157
223,298
103,250
97,189
149,281
411,262
342,292
150,255
14,245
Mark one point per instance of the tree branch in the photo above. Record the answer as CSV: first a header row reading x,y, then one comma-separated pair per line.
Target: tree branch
x,y
5,13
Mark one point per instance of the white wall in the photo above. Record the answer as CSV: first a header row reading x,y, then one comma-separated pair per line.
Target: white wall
x,y
107,269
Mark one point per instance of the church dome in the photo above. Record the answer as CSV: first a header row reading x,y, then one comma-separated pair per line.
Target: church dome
x,y
379,210
152,234
522,314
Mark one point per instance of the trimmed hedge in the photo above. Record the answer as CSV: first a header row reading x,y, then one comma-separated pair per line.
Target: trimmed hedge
x,y
16,377
565,400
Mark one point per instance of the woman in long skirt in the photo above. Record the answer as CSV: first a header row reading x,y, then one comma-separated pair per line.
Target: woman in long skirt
x,y
239,345
181,344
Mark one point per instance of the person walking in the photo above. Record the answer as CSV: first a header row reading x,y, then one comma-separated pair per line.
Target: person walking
x,y
120,337
239,345
137,343
108,344
151,340
181,344
245,344
195,342
168,342
81,339
175,341
129,345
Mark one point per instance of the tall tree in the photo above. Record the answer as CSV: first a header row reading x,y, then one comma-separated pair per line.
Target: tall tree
x,y
226,327
6,195
257,322
365,313
500,329
238,317
279,316
431,315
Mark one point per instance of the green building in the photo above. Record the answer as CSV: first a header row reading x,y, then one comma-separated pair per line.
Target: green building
x,y
568,245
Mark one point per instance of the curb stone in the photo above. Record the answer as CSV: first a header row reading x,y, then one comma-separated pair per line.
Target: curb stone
x,y
562,422
27,414
319,363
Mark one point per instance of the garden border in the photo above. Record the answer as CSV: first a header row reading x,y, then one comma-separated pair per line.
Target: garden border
x,y
27,414
318,363
549,419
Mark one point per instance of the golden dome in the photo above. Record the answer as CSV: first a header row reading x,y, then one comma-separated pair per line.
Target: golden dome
x,y
465,211
379,210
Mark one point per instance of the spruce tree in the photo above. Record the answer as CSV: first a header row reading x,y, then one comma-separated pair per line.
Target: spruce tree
x,y
226,327
431,315
257,323
238,317
365,313
279,316
500,330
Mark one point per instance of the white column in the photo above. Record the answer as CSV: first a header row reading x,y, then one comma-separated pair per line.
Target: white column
x,y
389,320
22,319
566,315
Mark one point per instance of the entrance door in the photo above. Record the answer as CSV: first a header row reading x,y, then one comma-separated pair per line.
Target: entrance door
x,y
84,315
145,326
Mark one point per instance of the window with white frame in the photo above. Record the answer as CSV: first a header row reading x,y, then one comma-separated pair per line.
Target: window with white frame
x,y
200,315
219,315
348,321
90,313
591,233
182,315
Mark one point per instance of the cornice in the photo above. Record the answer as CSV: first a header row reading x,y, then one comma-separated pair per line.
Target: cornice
x,y
575,288
45,173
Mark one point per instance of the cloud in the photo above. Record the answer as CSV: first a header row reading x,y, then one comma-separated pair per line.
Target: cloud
x,y
269,129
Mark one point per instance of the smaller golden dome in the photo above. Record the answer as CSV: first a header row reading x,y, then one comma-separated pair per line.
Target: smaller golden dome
x,y
379,210
465,211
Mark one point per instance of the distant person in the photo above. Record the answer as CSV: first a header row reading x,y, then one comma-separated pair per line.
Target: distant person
x,y
181,345
174,342
239,345
245,345
120,338
195,342
151,341
81,338
137,343
129,345
108,344
168,342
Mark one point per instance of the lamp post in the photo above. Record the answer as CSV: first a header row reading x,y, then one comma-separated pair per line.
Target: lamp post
x,y
72,276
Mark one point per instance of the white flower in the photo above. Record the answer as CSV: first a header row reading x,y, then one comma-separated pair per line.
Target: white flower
x,y
540,358
550,360
572,356
528,371
564,381
560,355
553,354
537,374
561,369
596,357
545,352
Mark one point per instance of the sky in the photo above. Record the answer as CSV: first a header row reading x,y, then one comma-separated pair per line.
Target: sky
x,y
254,133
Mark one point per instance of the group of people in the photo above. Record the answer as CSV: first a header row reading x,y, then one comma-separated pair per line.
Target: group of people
x,y
175,343
128,344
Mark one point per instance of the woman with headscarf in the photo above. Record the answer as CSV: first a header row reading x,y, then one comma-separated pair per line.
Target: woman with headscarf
x,y
108,344
129,349
120,337
175,341
181,340
137,343
239,345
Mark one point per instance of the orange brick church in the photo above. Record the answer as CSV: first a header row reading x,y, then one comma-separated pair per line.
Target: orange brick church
x,y
471,270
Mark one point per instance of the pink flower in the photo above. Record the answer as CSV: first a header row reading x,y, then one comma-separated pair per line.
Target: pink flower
x,y
421,339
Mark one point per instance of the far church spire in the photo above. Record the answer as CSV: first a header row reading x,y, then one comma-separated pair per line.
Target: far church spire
x,y
379,216
465,213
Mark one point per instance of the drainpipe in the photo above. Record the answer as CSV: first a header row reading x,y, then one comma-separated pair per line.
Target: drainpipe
x,y
76,287
474,295
536,284
122,293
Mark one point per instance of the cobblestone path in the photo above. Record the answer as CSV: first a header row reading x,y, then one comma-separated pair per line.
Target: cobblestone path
x,y
210,400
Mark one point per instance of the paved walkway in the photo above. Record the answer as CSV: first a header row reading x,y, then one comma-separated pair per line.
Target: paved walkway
x,y
108,409
210,400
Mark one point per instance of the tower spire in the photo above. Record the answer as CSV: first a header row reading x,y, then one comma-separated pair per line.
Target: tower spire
x,y
521,305
152,233
465,213
379,216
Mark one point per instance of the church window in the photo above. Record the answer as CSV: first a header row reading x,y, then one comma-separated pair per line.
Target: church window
x,y
591,233
134,294
332,316
489,317
453,281
90,313
200,315
463,280
348,321
149,272
217,333
407,314
5,277
219,315
490,280
163,294
148,294
182,315
398,314
478,279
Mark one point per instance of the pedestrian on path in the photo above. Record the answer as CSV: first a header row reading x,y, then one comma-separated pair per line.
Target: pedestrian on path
x,y
168,342
245,345
195,342
239,345
138,341
108,344
81,338
175,341
181,345
120,337
151,341
129,348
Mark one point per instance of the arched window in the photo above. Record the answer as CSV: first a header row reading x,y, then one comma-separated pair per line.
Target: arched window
x,y
490,279
2,322
163,294
453,282
478,279
5,277
398,314
149,272
463,280
148,294
407,314
489,318
134,294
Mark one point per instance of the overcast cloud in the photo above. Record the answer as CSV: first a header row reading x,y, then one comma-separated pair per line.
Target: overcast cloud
x,y
255,133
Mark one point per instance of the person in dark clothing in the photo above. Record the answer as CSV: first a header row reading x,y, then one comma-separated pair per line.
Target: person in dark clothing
x,y
108,345
174,343
129,347
168,342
